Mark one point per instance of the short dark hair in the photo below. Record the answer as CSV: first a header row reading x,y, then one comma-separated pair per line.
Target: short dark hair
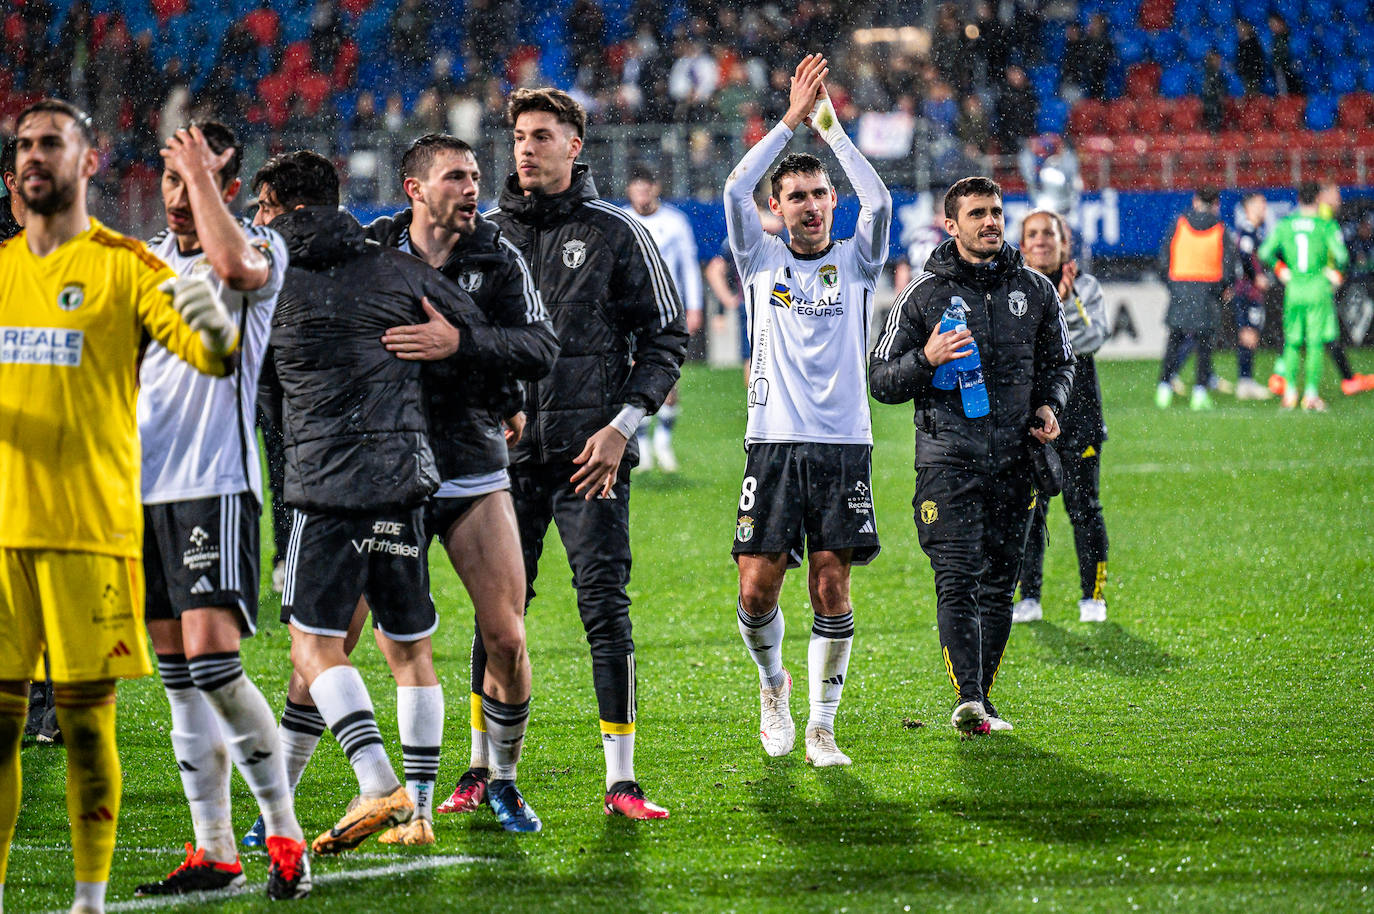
x,y
972,186
555,101
416,161
300,178
57,106
1207,194
642,172
219,137
798,163
1308,192
8,156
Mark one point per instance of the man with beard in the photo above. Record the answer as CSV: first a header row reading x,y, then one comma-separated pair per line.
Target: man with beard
x,y
620,326
76,301
974,490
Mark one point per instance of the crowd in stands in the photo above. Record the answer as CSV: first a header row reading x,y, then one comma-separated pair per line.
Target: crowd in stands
x,y
986,77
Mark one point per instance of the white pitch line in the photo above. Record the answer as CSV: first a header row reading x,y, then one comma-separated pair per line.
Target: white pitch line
x,y
1263,466
395,869
180,851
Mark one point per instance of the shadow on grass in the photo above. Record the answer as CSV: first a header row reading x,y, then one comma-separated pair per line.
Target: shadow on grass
x,y
1107,647
1009,784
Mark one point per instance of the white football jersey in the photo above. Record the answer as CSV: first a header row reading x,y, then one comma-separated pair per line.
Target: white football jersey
x,y
199,433
808,315
672,232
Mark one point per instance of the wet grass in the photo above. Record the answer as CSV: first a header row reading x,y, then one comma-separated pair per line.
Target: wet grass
x,y
1206,748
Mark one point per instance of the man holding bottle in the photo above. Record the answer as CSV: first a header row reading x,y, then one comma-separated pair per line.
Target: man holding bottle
x,y
974,487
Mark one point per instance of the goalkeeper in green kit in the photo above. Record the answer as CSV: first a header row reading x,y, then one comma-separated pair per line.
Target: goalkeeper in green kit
x,y
1312,254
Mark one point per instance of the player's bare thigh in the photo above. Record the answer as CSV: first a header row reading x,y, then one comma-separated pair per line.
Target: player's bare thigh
x,y
207,630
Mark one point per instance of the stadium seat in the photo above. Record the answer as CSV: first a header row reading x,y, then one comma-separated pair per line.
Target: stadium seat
x,y
1157,14
1120,116
1166,47
1321,112
264,26
1354,110
1132,47
1176,80
1150,114
1195,47
1288,112
1185,114
1087,117
1142,80
1254,113
1344,76
1053,116
314,90
296,59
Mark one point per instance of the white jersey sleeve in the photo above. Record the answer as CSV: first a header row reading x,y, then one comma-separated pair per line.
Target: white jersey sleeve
x,y
677,243
199,433
872,231
742,224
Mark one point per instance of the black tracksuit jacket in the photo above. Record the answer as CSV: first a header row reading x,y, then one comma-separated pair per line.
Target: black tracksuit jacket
x,y
466,411
353,416
614,308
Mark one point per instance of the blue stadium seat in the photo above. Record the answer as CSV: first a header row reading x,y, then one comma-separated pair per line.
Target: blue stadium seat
x,y
1367,80
1225,40
1320,10
1187,15
1195,47
1234,87
1321,112
1045,79
1132,46
1053,116
1345,76
1176,81
1253,12
1166,47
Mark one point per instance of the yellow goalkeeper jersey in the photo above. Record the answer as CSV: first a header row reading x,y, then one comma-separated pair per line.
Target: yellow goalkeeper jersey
x,y
72,331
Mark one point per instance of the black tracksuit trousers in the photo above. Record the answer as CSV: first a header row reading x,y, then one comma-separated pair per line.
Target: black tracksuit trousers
x,y
1081,500
973,527
596,536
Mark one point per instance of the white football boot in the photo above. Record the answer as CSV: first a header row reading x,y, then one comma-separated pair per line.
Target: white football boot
x,y
1092,610
777,730
1027,611
821,750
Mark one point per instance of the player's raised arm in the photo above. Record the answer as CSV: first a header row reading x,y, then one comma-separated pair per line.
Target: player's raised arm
x,y
741,218
875,203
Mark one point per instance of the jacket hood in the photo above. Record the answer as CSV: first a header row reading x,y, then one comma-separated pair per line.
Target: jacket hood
x,y
318,237
537,208
1200,220
946,263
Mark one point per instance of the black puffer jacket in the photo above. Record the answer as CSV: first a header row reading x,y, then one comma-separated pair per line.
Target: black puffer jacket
x,y
354,414
466,412
614,309
1017,322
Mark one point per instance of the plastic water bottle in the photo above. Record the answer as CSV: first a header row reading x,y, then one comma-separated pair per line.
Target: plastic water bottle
x,y
972,390
953,318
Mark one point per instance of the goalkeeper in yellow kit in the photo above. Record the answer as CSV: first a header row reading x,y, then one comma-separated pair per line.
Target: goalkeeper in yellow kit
x,y
76,301
1312,253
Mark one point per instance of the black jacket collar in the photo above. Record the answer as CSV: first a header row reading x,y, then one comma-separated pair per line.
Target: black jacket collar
x,y
318,237
543,209
946,263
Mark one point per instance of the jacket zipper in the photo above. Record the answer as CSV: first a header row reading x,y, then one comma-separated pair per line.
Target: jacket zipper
x,y
532,419
987,362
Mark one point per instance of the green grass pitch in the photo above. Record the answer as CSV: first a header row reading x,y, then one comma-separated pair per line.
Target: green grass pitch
x,y
1209,747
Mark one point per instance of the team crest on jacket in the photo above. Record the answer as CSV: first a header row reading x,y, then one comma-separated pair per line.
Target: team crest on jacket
x,y
829,275
574,254
929,513
71,296
471,281
1016,301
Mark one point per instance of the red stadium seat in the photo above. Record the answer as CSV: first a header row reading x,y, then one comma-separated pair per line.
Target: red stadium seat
x,y
296,59
1355,109
346,65
263,24
1142,80
1149,115
1156,14
1253,113
1120,116
354,8
314,90
275,91
1185,114
1087,117
1288,113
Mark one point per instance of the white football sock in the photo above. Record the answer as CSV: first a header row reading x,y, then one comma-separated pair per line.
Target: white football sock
x,y
91,895
827,664
300,732
251,737
342,698
505,735
620,756
202,760
763,637
420,720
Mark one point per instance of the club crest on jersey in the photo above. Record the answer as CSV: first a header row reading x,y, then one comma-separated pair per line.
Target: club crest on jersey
x,y
71,296
472,280
574,254
1016,301
829,275
744,530
782,296
929,513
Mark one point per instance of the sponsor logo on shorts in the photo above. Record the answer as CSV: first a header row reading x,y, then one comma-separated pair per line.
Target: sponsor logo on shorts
x,y
119,650
379,541
861,499
41,346
929,513
744,529
200,556
71,296
574,254
1016,301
